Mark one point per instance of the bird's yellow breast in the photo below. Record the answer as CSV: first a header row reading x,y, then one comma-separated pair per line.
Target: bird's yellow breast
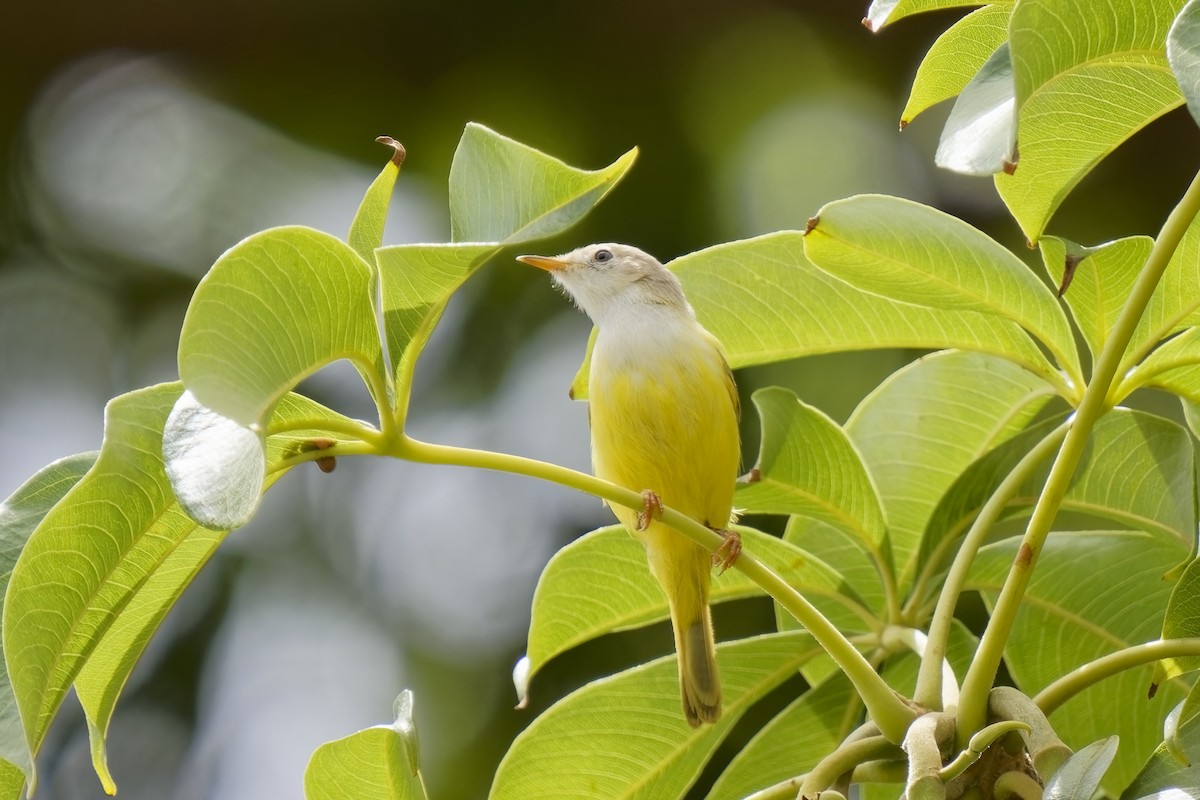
x,y
664,418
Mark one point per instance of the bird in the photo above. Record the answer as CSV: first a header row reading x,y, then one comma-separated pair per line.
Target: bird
x,y
663,411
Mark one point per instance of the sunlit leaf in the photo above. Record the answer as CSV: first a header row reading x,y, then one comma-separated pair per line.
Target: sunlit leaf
x,y
1080,776
20,515
625,736
378,763
1183,54
1100,279
274,308
505,191
980,135
600,584
922,426
808,466
793,742
885,12
366,231
1088,75
97,577
955,58
917,254
1091,594
1183,620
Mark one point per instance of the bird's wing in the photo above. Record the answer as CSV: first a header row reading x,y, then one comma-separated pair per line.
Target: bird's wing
x,y
730,385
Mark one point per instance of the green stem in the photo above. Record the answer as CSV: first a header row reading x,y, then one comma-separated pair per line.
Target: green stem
x,y
1017,785
929,676
1091,673
338,449
844,759
885,707
982,673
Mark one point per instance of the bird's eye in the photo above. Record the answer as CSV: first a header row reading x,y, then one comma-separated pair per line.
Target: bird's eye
x,y
602,256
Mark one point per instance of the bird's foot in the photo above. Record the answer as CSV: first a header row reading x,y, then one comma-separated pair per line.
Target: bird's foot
x,y
727,554
651,509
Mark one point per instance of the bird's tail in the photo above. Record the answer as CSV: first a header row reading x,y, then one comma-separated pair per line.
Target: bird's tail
x,y
686,586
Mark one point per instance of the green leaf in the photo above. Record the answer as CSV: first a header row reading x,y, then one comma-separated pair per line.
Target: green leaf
x,y
917,254
1088,77
378,763
625,737
766,302
1183,54
885,12
926,423
20,514
955,58
845,554
506,192
1172,367
793,742
1092,593
1080,776
980,135
1100,279
366,231
1163,776
600,584
273,309
96,577
1182,620
808,466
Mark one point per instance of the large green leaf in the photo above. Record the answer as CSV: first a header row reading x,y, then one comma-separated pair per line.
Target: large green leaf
x,y
379,763
1091,594
274,308
885,12
1165,775
980,135
793,742
766,302
1183,54
600,584
625,736
97,577
808,466
1088,76
955,58
917,254
20,515
505,191
1100,279
922,427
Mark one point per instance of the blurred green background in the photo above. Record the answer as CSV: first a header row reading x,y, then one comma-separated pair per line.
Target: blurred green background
x,y
140,139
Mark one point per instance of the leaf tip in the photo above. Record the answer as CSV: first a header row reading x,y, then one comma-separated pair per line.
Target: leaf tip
x,y
753,476
1153,690
812,224
398,151
1069,264
903,123
868,24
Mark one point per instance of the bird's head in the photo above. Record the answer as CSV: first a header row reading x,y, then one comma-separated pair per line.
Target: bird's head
x,y
607,279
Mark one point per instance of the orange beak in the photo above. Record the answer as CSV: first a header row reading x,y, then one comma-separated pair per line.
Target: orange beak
x,y
543,262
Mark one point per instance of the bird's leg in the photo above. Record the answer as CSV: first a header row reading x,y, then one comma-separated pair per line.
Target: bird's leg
x,y
727,554
651,509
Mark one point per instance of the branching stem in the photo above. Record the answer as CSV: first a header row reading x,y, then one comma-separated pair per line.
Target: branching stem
x,y
929,690
889,712
982,673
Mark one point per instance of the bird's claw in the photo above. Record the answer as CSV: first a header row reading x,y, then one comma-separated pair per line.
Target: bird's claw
x,y
651,509
727,554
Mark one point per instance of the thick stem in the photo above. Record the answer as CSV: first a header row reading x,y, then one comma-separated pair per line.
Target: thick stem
x,y
889,712
929,677
843,760
982,673
1074,682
